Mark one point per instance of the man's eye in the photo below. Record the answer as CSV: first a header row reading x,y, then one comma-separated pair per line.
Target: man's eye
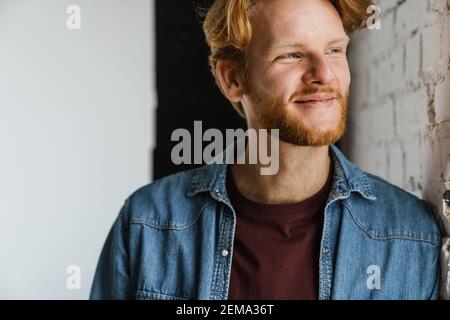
x,y
334,50
291,55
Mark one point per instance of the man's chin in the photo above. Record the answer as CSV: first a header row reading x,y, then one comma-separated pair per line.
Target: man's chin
x,y
309,138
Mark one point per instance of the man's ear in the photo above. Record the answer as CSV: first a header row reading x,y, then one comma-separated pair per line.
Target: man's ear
x,y
229,80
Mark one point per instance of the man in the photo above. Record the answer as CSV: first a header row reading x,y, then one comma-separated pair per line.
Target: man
x,y
320,228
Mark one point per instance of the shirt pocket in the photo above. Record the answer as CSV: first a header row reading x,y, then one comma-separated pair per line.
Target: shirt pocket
x,y
148,295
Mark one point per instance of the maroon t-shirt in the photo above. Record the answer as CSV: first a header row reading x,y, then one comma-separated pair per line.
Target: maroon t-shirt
x,y
276,247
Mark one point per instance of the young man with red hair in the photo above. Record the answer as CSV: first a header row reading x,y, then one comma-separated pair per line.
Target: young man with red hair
x,y
320,228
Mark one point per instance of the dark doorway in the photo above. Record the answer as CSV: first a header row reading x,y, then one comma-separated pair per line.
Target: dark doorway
x,y
185,87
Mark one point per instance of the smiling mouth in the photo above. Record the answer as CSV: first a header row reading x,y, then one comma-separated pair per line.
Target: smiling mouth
x,y
320,98
314,102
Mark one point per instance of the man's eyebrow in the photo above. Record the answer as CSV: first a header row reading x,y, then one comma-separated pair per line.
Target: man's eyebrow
x,y
344,39
300,45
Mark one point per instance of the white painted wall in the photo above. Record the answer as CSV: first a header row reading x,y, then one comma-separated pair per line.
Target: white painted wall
x,y
400,102
76,133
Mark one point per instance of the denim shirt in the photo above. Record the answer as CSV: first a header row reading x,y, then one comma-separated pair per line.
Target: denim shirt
x,y
173,239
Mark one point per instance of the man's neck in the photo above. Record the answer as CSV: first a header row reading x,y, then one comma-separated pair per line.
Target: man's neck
x,y
303,171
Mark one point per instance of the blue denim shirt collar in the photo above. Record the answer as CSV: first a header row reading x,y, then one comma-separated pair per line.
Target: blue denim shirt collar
x,y
347,178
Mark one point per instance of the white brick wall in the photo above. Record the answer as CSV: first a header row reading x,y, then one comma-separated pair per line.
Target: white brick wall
x,y
399,121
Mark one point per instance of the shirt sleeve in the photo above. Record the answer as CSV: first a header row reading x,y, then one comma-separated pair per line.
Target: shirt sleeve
x,y
435,276
112,276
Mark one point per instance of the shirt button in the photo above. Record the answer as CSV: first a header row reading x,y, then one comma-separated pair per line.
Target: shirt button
x,y
325,251
224,253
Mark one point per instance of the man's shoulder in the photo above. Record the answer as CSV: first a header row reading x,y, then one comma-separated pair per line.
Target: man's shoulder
x,y
165,203
397,213
394,193
175,182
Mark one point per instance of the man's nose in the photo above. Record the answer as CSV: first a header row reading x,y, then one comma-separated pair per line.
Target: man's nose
x,y
318,72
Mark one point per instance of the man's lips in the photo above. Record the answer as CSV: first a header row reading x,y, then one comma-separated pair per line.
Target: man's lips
x,y
316,98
